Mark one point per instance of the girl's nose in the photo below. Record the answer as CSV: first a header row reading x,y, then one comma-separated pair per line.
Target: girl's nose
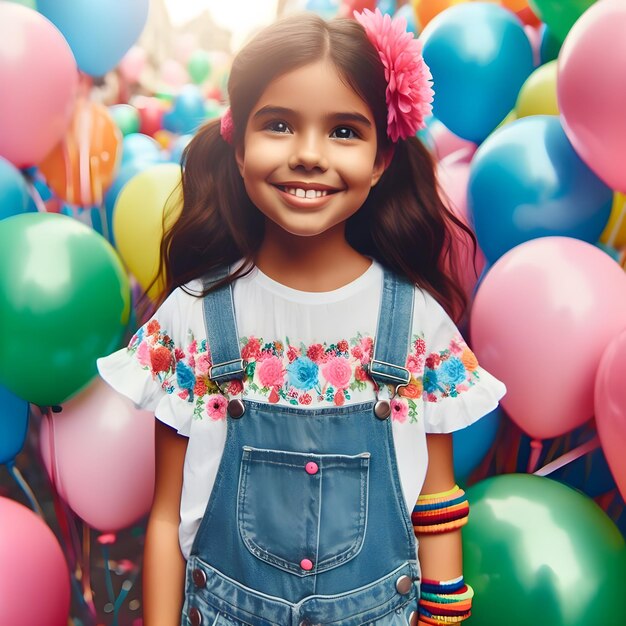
x,y
308,153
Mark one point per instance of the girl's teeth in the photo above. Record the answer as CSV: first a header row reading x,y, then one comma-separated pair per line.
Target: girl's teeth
x,y
309,193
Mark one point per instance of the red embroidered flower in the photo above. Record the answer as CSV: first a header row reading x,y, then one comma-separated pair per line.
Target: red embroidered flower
x,y
179,354
153,327
305,398
200,387
160,359
357,352
292,354
360,373
433,360
315,352
343,346
420,347
273,397
339,398
235,387
252,350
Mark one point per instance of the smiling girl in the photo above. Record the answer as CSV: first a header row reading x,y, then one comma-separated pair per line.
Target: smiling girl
x,y
303,367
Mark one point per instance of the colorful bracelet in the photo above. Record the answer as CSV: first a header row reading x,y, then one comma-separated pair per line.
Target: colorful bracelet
x,y
445,602
440,512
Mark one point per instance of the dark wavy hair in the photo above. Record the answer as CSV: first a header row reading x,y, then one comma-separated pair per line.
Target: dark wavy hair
x,y
403,223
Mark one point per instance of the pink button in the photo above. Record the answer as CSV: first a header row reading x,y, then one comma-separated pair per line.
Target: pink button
x,y
306,564
311,467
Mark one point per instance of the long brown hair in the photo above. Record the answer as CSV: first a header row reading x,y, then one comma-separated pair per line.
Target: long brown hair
x,y
403,224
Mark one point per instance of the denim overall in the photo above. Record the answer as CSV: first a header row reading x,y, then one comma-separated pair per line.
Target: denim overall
x,y
306,523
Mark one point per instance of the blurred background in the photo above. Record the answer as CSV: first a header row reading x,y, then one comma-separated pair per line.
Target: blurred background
x,y
528,133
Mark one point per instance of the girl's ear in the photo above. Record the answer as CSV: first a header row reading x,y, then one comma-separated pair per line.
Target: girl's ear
x,y
383,161
239,157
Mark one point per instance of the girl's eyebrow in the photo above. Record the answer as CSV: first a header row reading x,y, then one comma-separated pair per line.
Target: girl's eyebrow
x,y
340,116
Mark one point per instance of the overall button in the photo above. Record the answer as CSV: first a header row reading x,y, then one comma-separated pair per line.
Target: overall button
x,y
382,409
236,408
413,619
199,577
195,617
311,467
306,564
404,584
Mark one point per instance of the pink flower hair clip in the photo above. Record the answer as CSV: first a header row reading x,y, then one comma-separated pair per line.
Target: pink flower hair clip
x,y
409,82
227,126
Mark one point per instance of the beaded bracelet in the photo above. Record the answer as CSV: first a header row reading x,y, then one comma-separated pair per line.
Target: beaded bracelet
x,y
445,602
440,512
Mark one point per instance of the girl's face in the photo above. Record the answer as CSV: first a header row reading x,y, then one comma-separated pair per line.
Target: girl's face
x,y
309,156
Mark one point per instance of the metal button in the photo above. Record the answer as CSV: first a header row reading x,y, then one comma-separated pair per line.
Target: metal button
x,y
404,584
236,408
413,619
195,617
382,409
199,577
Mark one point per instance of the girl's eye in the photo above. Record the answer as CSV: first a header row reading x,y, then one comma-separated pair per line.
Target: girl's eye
x,y
344,132
278,127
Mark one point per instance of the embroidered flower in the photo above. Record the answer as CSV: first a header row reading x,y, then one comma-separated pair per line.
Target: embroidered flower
x,y
303,373
469,359
200,388
315,352
292,353
357,352
202,364
337,372
273,397
216,406
433,360
271,373
339,398
192,348
184,376
153,327
251,350
360,374
412,390
399,410
160,359
343,346
143,354
430,381
235,387
409,81
414,364
305,398
420,347
452,371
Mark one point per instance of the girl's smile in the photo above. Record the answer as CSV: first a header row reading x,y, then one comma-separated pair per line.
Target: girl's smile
x,y
310,155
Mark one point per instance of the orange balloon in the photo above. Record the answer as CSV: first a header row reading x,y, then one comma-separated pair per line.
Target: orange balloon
x,y
425,10
82,166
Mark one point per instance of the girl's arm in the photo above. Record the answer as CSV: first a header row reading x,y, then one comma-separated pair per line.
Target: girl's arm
x,y
440,555
164,564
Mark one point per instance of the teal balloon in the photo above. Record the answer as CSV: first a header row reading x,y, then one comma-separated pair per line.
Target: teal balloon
x,y
199,66
549,46
140,147
64,302
527,181
14,196
188,112
538,552
479,56
472,443
13,425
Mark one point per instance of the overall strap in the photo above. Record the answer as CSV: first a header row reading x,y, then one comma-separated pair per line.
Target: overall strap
x,y
221,330
393,335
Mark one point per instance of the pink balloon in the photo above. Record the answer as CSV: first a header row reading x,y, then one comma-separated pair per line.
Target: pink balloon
x,y
103,452
133,63
610,404
34,577
39,81
592,91
542,317
444,141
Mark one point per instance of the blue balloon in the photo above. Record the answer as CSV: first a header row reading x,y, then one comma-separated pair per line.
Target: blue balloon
x,y
526,181
188,112
471,444
324,8
13,424
406,12
140,147
99,32
479,56
390,7
177,146
14,196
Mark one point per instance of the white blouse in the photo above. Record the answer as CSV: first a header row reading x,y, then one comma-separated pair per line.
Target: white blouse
x,y
302,348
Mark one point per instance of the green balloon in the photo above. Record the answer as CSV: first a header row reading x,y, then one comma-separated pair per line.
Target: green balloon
x,y
199,66
64,301
539,552
560,15
126,118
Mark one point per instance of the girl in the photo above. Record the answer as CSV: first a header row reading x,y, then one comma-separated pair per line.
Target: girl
x,y
303,369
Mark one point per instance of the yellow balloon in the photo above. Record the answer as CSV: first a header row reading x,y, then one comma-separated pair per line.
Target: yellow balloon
x,y
614,233
538,94
138,221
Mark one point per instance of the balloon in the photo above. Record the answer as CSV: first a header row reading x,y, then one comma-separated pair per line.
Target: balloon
x,y
151,111
550,45
539,552
610,405
65,301
426,10
27,547
103,453
471,444
486,70
199,66
82,166
14,196
177,146
188,111
100,32
527,181
406,12
39,78
592,91
560,15
126,117
442,141
140,147
615,232
173,74
138,220
13,425
538,94
133,63
387,6
542,317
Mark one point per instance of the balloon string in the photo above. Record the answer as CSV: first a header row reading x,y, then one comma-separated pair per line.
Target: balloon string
x,y
86,571
535,452
616,228
568,457
25,487
36,196
127,585
84,158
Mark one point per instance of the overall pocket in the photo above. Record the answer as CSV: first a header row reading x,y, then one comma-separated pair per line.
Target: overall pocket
x,y
304,513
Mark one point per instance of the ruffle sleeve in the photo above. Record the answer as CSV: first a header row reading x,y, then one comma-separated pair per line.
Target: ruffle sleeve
x,y
145,370
457,391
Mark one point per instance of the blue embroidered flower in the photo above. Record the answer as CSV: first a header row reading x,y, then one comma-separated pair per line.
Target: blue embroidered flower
x,y
184,376
303,373
430,381
452,371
